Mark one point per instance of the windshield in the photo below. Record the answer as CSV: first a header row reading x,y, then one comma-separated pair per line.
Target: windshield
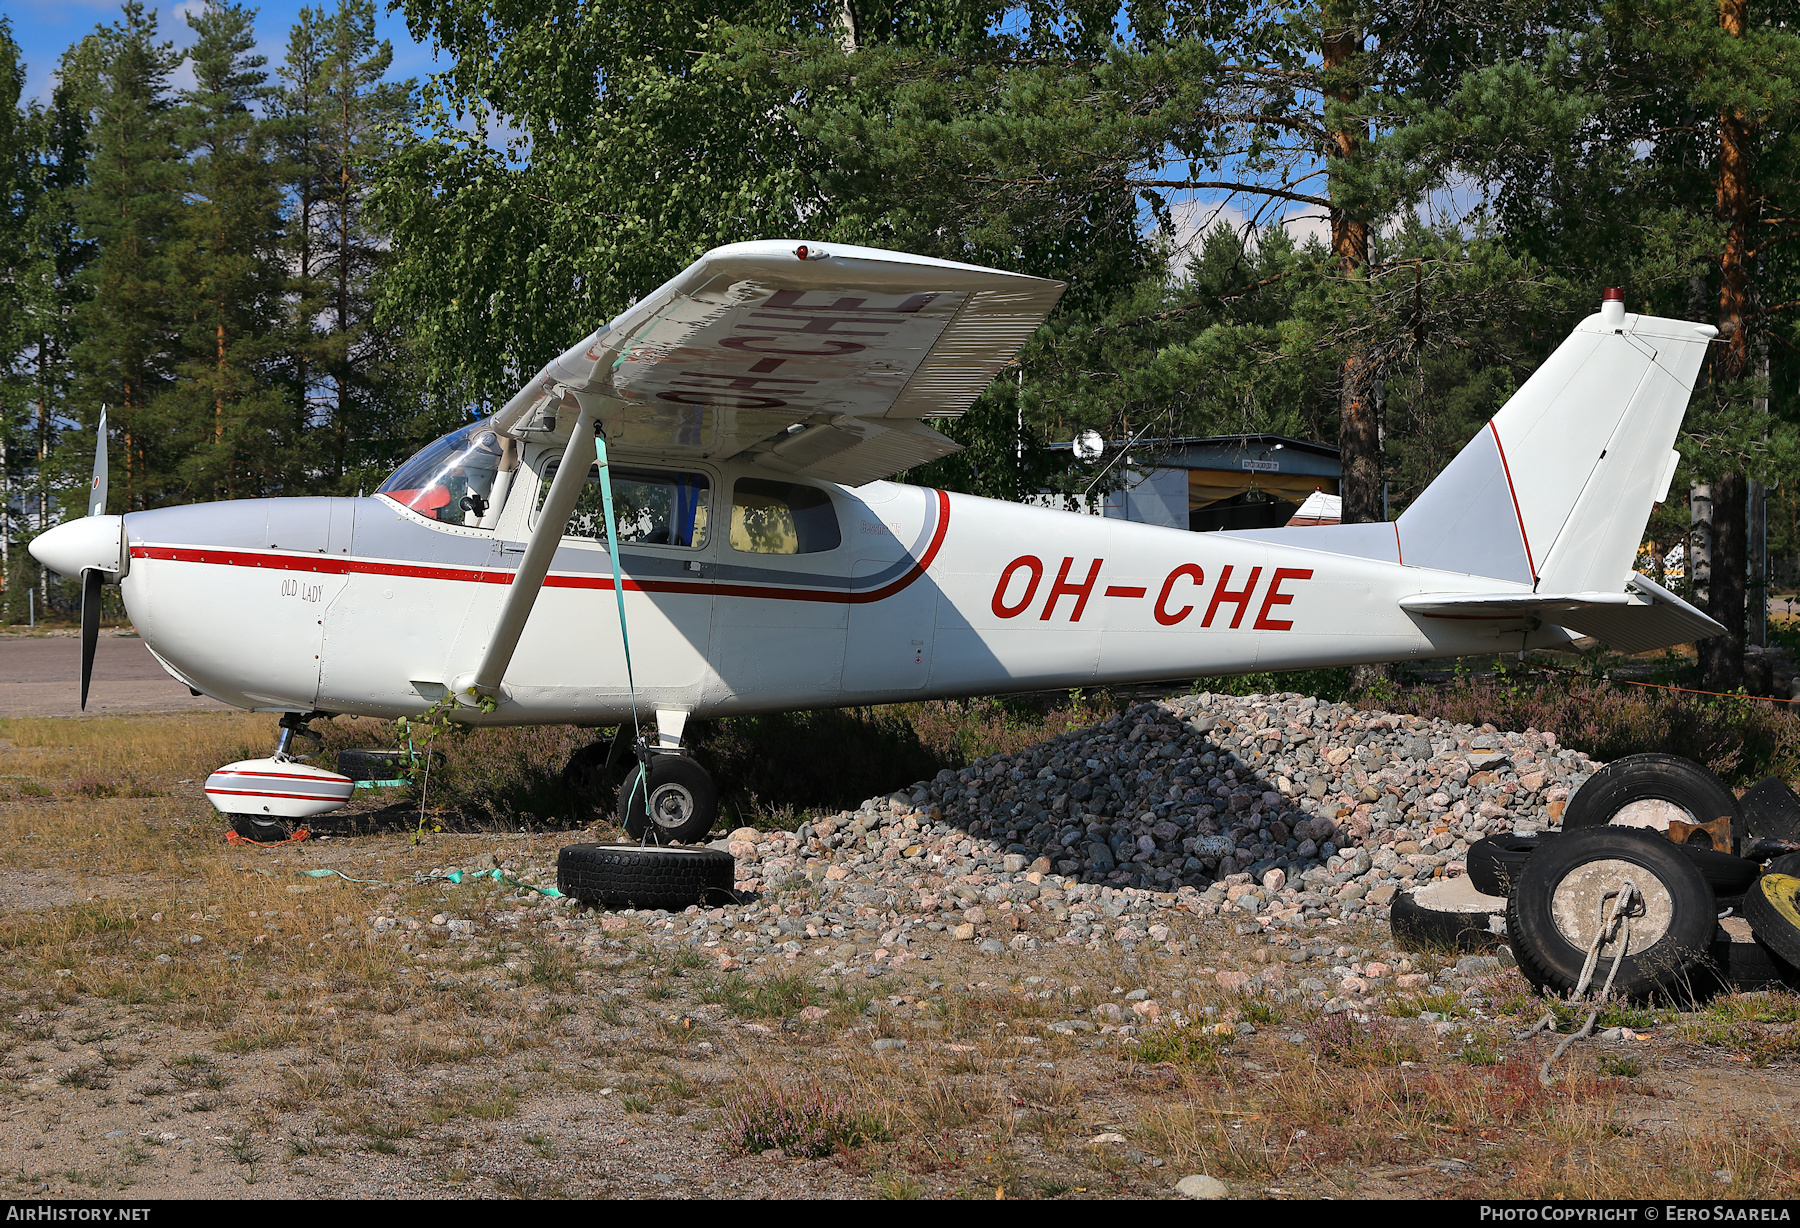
x,y
451,480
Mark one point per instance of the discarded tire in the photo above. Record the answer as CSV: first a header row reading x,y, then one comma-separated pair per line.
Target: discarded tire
x,y
1555,911
617,875
369,763
1627,793
1772,906
1449,914
1494,863
1728,876
1744,964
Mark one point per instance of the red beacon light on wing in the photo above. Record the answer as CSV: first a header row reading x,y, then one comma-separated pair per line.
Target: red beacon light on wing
x,y
1612,307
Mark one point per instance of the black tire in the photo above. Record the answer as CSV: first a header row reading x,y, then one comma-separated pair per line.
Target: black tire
x,y
370,763
1448,915
618,875
1553,912
1653,778
261,828
1494,863
1772,906
1787,863
1728,876
1743,967
678,806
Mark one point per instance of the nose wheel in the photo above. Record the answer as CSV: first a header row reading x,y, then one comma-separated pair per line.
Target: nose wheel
x,y
674,802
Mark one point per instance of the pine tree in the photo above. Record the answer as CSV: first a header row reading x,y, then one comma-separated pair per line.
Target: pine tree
x,y
227,278
358,114
127,343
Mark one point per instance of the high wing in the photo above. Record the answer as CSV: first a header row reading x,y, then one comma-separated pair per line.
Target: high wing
x,y
1645,617
814,359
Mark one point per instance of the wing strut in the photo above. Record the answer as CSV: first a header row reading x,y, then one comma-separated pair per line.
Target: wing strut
x,y
565,489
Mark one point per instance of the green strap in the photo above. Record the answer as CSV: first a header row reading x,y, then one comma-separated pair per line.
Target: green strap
x,y
612,548
455,876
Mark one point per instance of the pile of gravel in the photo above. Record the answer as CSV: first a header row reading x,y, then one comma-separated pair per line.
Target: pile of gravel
x,y
1280,810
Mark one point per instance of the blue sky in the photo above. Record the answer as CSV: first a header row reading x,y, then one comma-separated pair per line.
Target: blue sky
x,y
45,28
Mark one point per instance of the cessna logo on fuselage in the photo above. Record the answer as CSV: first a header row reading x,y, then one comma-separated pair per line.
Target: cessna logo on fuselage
x,y
1178,598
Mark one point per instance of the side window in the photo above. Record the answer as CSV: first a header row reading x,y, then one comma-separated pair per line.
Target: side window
x,y
781,518
653,509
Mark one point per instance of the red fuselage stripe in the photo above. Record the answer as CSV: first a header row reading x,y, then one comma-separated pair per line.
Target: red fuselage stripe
x,y
326,565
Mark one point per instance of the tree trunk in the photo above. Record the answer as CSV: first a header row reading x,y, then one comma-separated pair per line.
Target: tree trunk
x,y
1359,426
1722,657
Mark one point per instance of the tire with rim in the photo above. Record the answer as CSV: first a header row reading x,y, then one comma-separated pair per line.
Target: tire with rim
x,y
1494,863
677,805
645,876
1554,912
1772,906
1647,790
1451,914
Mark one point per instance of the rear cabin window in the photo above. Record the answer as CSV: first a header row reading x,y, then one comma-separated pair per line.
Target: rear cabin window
x,y
652,508
781,518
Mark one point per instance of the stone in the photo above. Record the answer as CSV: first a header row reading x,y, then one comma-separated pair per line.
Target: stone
x,y
963,932
745,835
1200,1186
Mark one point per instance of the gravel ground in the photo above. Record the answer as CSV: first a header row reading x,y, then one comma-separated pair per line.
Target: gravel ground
x,y
1274,815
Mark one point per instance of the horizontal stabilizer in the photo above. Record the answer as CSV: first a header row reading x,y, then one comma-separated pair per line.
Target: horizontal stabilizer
x,y
1642,619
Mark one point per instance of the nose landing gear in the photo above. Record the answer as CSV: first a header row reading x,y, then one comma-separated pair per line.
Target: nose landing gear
x,y
262,797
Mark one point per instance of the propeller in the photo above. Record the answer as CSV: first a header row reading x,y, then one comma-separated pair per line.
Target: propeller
x,y
92,577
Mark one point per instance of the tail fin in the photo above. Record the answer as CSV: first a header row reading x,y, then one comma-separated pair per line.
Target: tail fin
x,y
1555,491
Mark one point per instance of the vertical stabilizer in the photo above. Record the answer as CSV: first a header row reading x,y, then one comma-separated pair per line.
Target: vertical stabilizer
x,y
1555,491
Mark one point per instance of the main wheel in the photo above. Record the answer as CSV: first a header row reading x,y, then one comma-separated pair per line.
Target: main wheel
x,y
630,874
1555,911
1648,791
677,804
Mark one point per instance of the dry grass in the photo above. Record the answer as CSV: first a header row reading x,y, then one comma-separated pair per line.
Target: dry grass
x,y
311,1045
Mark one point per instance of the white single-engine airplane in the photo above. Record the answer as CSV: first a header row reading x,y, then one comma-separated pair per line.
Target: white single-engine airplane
x,y
746,413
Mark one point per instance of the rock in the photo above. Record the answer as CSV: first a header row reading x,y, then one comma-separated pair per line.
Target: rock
x,y
963,932
1200,1186
745,835
992,946
887,1045
1107,1139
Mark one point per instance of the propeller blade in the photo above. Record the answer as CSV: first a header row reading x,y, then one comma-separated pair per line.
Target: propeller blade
x,y
97,491
90,626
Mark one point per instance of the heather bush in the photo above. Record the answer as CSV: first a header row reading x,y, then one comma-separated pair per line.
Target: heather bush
x,y
1741,738
809,1123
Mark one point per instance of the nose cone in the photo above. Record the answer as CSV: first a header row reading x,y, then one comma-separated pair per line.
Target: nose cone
x,y
96,542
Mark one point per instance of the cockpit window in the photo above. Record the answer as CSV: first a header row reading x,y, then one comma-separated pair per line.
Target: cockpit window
x,y
452,480
653,509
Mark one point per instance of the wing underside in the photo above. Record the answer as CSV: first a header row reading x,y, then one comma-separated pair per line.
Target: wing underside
x,y
825,364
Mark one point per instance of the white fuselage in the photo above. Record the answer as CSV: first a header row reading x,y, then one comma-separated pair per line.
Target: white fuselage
x,y
362,606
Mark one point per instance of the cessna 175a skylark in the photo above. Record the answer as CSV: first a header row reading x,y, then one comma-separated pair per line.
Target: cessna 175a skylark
x,y
721,447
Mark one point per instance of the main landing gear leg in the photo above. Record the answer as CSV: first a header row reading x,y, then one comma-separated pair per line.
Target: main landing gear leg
x,y
667,798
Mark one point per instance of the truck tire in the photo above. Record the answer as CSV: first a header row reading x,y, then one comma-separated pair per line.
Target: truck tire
x,y
1625,789
1554,912
645,876
1449,915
